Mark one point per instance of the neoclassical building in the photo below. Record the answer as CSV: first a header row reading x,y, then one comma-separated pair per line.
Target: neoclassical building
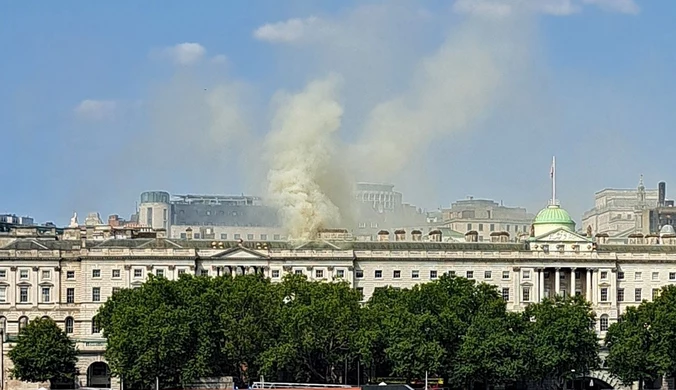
x,y
68,276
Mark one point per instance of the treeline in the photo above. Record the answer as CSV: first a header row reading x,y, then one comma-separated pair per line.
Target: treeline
x,y
305,331
641,345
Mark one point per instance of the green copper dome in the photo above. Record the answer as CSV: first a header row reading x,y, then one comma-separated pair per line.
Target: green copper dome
x,y
554,215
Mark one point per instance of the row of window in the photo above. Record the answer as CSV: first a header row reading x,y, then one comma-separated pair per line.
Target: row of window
x,y
46,294
433,274
69,325
491,227
319,273
638,275
236,236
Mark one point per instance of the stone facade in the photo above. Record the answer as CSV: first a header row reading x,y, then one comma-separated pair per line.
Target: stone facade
x,y
68,279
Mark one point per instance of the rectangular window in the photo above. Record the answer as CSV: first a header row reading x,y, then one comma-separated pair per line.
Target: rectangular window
x,y
23,274
70,295
298,272
276,237
159,273
604,275
672,275
116,289
451,273
620,295
492,227
96,294
275,273
433,274
46,298
488,274
3,273
505,274
46,274
250,237
359,273
656,276
396,274
526,294
181,271
578,274
620,275
656,293
340,273
23,294
526,274
238,236
481,227
183,236
95,327
319,273
470,274
69,325
196,236
224,236
149,216
264,237
604,294
3,294
138,273
96,273
204,272
637,276
116,273
378,274
546,274
637,295
415,274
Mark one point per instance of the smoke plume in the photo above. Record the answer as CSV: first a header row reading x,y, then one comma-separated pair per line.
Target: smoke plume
x,y
301,147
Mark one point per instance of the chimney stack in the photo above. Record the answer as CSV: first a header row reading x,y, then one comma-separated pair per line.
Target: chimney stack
x,y
662,193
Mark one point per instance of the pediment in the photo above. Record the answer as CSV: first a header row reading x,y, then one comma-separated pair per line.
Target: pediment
x,y
239,253
562,235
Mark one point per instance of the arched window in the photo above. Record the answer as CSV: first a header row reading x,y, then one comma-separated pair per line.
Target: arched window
x,y
604,323
70,325
23,321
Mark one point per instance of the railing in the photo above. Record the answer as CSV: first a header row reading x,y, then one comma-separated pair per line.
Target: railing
x,y
281,385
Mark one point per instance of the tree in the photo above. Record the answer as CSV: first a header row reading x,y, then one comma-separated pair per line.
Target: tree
x,y
564,343
633,355
317,331
43,353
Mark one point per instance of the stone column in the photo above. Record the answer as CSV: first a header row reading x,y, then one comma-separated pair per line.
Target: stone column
x,y
517,286
13,293
127,270
588,292
572,281
57,285
541,283
557,282
595,285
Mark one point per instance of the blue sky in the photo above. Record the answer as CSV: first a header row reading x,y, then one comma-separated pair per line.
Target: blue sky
x,y
100,101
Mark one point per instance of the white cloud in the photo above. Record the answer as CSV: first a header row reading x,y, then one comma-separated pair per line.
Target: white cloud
x,y
623,6
503,8
292,30
90,109
186,53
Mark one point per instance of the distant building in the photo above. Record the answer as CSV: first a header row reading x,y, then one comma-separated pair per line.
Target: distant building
x,y
615,210
485,217
211,217
653,220
16,220
381,207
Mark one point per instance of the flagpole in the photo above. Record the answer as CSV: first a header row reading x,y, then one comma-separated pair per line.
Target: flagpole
x,y
553,181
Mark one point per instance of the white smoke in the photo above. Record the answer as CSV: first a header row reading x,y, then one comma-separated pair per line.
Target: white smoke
x,y
301,147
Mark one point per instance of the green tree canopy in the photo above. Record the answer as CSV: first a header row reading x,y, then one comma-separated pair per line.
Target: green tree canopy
x,y
43,353
563,340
